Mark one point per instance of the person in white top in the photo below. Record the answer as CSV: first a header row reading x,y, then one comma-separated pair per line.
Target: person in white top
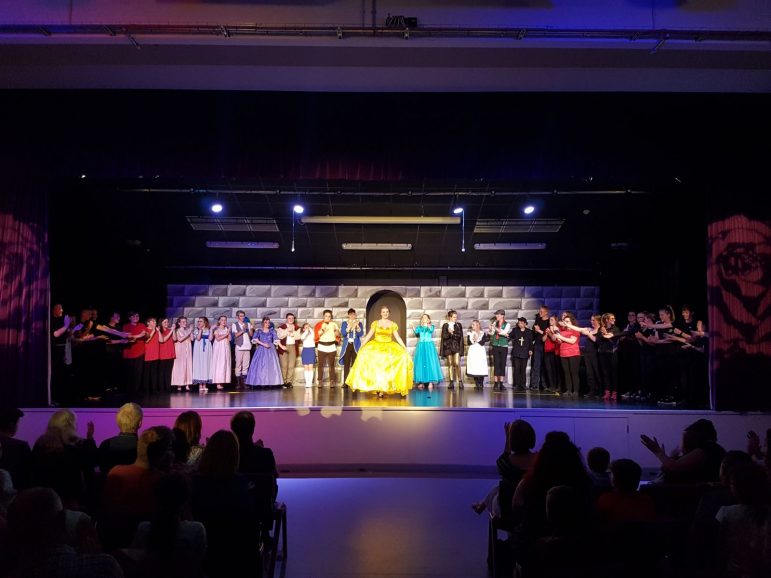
x,y
327,334
242,337
308,353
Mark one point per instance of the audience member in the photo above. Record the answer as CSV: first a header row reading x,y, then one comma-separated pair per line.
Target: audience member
x,y
122,449
254,457
190,423
36,524
63,461
223,502
625,504
597,460
698,458
168,545
516,459
17,455
745,528
128,490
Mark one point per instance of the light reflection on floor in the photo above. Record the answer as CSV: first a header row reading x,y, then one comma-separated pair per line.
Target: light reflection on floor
x,y
366,527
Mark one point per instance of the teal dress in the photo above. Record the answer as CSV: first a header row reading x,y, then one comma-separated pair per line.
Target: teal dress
x,y
427,367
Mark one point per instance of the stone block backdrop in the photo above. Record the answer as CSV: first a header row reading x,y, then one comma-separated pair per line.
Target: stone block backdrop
x,y
308,302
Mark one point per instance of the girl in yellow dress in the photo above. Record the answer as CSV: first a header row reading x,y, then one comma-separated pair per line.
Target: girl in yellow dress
x,y
382,365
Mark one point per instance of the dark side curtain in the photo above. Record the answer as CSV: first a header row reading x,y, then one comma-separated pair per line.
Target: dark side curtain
x,y
23,294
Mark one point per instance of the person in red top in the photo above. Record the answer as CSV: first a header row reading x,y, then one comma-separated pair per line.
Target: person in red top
x,y
624,504
134,353
152,356
570,352
166,355
551,356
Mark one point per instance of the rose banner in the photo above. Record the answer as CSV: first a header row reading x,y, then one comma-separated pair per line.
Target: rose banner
x,y
739,310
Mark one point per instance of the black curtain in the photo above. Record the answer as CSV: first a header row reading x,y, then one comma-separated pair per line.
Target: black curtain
x,y
24,293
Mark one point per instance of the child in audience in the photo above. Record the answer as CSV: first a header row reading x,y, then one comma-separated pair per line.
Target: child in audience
x,y
625,504
598,460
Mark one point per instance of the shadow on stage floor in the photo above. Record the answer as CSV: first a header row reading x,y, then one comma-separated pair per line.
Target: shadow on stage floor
x,y
441,397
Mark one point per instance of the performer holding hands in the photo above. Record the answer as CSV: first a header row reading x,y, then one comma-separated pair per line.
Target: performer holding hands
x,y
452,347
352,331
427,367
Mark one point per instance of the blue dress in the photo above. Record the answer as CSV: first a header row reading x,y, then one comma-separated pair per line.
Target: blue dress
x,y
265,368
427,366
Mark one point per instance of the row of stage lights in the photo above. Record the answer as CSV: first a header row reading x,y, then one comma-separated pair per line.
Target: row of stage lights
x,y
217,208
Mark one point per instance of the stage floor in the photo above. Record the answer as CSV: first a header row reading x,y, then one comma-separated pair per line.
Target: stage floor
x,y
441,397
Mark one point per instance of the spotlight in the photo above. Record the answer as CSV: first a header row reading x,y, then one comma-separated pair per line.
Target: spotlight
x,y
457,211
216,208
299,209
83,176
529,210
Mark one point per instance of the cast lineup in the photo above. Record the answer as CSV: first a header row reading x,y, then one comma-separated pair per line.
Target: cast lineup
x,y
161,356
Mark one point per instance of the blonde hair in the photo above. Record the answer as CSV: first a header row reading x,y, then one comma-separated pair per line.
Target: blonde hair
x,y
61,431
129,418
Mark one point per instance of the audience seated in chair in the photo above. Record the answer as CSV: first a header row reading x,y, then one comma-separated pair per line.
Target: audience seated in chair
x,y
223,501
63,461
122,449
168,545
16,458
624,504
745,528
36,524
254,457
598,460
190,423
516,459
128,490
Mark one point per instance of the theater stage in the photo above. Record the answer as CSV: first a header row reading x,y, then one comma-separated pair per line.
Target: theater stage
x,y
330,430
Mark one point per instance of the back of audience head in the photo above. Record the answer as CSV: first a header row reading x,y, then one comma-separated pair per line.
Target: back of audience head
x,y
749,485
731,461
704,428
36,519
180,446
562,510
61,431
154,448
172,493
598,460
242,424
625,475
557,463
521,437
221,455
190,423
129,418
9,420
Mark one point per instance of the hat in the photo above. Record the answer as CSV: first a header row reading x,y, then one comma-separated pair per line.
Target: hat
x,y
500,312
523,319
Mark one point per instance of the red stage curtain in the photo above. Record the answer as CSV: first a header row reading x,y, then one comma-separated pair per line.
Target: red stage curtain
x,y
23,296
738,278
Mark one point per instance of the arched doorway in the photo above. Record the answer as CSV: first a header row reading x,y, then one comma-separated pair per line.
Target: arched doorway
x,y
396,306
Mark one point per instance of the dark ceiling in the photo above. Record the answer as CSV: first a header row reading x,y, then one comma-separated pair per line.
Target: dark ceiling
x,y
634,177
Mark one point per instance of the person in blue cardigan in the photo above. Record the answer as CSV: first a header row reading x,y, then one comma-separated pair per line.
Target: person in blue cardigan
x,y
352,331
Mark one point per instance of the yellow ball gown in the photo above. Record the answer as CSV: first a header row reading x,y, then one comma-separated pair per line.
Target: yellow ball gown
x,y
382,365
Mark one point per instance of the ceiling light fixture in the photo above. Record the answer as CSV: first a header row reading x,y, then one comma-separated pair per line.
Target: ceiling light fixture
x,y
241,245
377,246
509,246
377,220
296,210
462,213
216,208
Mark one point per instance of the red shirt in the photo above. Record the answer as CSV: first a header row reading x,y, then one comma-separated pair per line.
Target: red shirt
x,y
153,348
616,508
167,347
137,348
570,349
550,346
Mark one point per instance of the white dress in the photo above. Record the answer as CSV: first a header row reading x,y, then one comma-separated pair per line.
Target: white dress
x,y
202,351
220,360
476,357
182,372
